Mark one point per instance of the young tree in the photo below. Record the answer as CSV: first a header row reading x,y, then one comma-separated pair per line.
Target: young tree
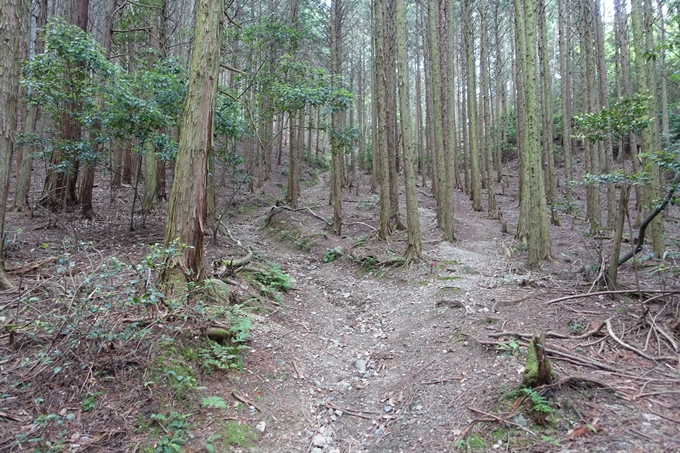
x,y
10,27
186,211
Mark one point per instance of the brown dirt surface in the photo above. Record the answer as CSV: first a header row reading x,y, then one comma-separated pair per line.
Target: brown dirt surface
x,y
362,354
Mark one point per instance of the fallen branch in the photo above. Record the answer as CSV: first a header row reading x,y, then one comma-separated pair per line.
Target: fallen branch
x,y
577,360
640,240
626,345
620,291
231,262
502,420
245,400
348,411
549,334
275,208
439,381
365,224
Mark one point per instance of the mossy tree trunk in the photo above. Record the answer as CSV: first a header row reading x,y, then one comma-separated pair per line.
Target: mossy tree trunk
x,y
187,206
533,228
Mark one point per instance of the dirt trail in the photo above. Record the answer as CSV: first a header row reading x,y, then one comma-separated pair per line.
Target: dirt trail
x,y
383,362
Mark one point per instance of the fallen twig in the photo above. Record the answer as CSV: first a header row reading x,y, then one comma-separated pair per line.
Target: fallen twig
x,y
502,420
302,209
245,400
297,371
439,381
365,224
604,293
348,411
549,334
626,345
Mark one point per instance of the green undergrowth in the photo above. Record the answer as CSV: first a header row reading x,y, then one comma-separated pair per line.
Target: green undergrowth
x,y
111,332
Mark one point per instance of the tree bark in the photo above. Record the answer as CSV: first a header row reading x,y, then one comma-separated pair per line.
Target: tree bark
x,y
649,134
414,248
337,118
533,227
547,114
565,90
187,207
10,31
475,175
437,121
380,146
486,113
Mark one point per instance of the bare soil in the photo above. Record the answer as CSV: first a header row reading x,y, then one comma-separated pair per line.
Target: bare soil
x,y
383,358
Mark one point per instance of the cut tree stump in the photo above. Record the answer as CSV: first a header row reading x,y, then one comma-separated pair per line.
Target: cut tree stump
x,y
538,370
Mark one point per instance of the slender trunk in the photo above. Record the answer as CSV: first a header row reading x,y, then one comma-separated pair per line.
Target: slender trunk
x,y
565,90
476,188
414,247
380,146
486,118
547,114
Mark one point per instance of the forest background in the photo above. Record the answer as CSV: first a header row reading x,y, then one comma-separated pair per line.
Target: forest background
x,y
187,105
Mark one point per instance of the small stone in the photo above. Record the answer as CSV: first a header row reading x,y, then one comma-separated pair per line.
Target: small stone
x,y
388,408
338,413
261,426
520,420
320,440
361,365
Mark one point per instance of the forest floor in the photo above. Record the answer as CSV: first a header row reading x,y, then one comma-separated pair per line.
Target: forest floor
x,y
360,355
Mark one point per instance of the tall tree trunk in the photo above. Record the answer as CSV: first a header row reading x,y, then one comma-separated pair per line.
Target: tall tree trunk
x,y
533,229
337,118
547,114
450,152
476,188
391,110
590,98
380,145
10,31
186,211
486,118
649,134
422,154
414,248
437,121
608,163
26,168
565,90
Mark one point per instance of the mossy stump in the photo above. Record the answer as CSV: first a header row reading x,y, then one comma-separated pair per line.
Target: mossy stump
x,y
538,370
